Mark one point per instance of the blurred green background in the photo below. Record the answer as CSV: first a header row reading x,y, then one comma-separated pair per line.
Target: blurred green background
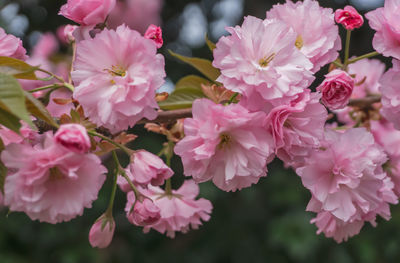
x,y
265,223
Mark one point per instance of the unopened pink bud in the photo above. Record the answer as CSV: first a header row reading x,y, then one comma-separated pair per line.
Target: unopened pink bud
x,y
154,33
102,232
74,137
144,212
349,18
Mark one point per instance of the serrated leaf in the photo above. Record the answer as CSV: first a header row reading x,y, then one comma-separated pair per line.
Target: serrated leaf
x,y
193,82
17,68
181,99
38,110
203,65
9,121
12,98
211,45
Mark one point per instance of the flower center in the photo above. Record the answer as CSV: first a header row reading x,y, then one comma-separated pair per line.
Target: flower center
x,y
225,139
299,42
116,71
56,174
266,60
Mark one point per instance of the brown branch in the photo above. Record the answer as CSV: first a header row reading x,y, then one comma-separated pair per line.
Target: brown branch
x,y
365,102
169,116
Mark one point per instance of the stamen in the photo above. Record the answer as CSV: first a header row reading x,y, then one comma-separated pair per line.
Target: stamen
x,y
299,42
266,60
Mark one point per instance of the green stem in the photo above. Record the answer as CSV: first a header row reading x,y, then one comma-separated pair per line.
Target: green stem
x,y
232,98
168,187
122,147
51,74
338,64
368,55
120,170
114,189
53,86
347,49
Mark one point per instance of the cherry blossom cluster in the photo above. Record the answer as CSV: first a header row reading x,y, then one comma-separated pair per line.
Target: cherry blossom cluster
x,y
340,136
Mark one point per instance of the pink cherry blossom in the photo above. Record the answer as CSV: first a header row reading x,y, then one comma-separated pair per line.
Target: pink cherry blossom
x,y
25,134
260,57
144,213
349,18
336,89
11,46
154,33
118,88
102,232
86,12
347,181
297,127
74,137
145,168
137,14
385,21
317,34
179,210
50,183
390,94
226,144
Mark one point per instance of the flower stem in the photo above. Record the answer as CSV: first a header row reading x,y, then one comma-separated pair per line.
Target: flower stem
x,y
368,55
347,49
122,172
122,147
114,189
233,98
53,86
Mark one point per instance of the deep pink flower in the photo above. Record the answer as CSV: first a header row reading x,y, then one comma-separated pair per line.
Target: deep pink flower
x,y
317,34
227,144
50,183
11,46
74,137
385,21
179,210
260,57
145,168
391,95
349,18
118,88
102,232
346,179
87,12
144,212
297,127
154,33
336,89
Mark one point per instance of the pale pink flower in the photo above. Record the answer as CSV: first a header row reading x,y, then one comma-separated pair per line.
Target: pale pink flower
x,y
297,127
179,210
46,46
390,83
74,137
260,57
385,21
11,46
118,88
349,18
65,33
154,33
144,212
317,34
102,232
55,109
336,89
226,144
137,14
145,168
346,179
26,134
50,183
86,12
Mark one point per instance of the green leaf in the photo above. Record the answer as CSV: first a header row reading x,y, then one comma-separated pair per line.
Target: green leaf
x,y
193,82
17,68
181,99
9,120
203,65
12,98
211,45
38,110
3,174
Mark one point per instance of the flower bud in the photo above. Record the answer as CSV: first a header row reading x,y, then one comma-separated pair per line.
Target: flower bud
x,y
74,137
349,18
336,89
154,33
102,232
86,12
144,212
